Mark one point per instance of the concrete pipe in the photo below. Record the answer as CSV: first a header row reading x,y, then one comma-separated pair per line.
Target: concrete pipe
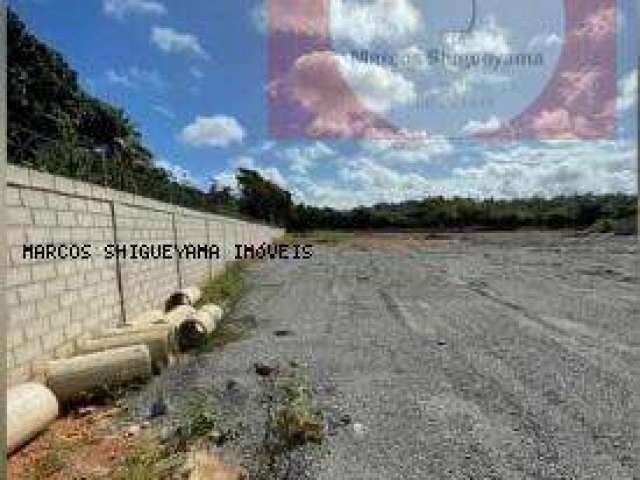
x,y
195,328
85,373
179,314
158,340
148,317
31,407
185,296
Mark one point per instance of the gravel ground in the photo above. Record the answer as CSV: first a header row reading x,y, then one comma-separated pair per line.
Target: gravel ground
x,y
486,356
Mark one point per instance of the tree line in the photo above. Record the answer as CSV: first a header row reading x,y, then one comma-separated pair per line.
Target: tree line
x,y
55,126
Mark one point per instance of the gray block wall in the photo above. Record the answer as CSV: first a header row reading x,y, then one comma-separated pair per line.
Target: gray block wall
x,y
50,303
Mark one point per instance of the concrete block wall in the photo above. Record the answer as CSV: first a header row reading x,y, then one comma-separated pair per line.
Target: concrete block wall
x,y
53,302
144,282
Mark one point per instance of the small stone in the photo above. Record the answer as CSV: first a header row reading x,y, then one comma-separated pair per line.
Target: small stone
x,y
283,333
133,431
157,408
345,419
85,411
358,428
264,370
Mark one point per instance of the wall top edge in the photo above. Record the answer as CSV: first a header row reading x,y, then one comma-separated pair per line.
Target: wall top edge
x,y
23,177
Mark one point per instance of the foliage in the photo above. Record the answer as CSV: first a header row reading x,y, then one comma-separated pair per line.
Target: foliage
x,y
263,199
225,288
576,211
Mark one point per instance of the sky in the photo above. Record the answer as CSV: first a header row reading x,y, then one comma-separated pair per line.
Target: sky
x,y
194,77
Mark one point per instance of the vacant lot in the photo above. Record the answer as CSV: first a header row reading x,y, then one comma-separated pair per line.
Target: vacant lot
x,y
486,356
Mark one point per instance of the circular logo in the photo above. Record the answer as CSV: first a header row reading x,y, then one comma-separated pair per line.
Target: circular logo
x,y
454,68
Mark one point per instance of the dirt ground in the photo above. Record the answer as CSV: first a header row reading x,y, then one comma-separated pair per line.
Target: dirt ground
x,y
460,356
81,444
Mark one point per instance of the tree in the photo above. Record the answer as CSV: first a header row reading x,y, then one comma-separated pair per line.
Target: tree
x,y
263,199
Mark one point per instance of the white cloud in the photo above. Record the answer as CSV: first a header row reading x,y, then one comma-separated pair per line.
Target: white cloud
x,y
379,88
183,175
134,77
413,59
116,78
196,73
216,131
385,183
164,111
464,84
121,8
474,127
500,171
227,178
364,23
628,91
545,40
409,152
485,38
553,168
169,40
302,159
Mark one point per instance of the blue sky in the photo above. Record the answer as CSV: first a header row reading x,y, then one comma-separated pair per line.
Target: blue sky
x,y
192,75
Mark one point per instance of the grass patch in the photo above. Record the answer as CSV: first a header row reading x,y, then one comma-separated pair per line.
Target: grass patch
x,y
142,462
226,288
603,225
53,462
227,332
326,237
292,422
200,417
296,421
151,459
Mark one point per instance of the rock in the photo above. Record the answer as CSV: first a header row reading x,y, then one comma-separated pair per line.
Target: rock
x,y
208,466
264,370
85,411
345,419
132,431
358,429
157,408
283,333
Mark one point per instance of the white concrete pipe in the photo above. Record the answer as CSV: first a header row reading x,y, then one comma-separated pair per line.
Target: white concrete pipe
x,y
148,317
157,339
72,376
31,407
195,328
179,314
185,296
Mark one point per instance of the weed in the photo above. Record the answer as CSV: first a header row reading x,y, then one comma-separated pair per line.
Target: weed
x,y
200,418
603,225
141,463
54,461
292,422
227,332
226,288
296,420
